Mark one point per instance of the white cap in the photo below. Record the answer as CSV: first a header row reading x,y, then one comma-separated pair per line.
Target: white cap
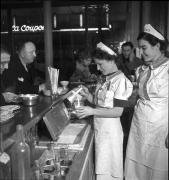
x,y
150,30
104,48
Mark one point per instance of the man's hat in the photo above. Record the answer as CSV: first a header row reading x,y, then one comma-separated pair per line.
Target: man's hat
x,y
150,30
105,48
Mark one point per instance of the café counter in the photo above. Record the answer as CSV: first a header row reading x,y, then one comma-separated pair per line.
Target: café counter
x,y
28,116
82,166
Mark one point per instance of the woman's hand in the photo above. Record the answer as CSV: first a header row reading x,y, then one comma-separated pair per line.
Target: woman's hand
x,y
166,142
84,92
84,111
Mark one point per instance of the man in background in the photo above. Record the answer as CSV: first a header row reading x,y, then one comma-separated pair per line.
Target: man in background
x,y
21,74
82,72
5,95
127,60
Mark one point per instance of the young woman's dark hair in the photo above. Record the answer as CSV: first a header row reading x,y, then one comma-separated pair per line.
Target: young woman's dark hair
x,y
153,40
99,54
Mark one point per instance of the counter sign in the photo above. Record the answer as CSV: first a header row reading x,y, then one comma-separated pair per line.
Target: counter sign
x,y
25,28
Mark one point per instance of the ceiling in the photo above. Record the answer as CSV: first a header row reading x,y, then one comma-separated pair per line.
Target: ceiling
x,y
38,3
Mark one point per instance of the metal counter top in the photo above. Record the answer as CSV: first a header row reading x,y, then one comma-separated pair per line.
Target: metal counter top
x,y
28,116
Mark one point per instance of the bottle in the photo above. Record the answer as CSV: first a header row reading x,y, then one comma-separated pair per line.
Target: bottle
x,y
21,157
5,162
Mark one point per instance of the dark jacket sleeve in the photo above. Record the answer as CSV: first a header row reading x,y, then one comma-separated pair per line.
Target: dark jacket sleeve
x,y
2,100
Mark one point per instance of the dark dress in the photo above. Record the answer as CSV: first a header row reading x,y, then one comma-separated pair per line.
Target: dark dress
x,y
18,80
2,100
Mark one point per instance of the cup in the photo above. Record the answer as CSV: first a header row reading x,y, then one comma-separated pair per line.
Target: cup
x,y
78,103
64,84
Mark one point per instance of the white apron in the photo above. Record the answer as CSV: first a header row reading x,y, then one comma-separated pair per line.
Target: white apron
x,y
149,128
108,131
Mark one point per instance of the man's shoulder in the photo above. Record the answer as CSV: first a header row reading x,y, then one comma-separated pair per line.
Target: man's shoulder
x,y
14,60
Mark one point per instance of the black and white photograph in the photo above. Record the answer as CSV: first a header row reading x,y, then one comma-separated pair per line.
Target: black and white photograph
x,y
84,91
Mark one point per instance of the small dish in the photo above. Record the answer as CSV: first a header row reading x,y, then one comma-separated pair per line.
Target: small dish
x,y
64,84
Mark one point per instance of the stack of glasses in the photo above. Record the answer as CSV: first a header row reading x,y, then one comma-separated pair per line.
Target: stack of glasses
x,y
54,76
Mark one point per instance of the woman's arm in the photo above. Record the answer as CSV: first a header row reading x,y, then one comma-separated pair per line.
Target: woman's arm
x,y
90,98
99,112
86,94
107,113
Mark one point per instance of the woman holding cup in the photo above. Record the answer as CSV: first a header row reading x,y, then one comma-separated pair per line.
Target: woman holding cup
x,y
112,92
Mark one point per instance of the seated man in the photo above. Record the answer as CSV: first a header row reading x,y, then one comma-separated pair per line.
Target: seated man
x,y
5,96
20,76
82,72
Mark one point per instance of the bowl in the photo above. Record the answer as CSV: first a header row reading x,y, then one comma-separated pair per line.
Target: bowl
x,y
29,99
64,83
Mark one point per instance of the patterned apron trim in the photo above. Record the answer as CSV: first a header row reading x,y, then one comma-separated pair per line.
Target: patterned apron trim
x,y
103,79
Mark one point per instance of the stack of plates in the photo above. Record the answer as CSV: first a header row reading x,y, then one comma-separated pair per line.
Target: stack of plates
x,y
7,112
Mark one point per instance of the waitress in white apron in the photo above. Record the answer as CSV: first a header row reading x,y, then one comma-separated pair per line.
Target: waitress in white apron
x,y
147,151
111,92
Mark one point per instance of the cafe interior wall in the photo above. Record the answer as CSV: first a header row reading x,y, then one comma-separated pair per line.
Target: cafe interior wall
x,y
62,40
126,19
140,13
